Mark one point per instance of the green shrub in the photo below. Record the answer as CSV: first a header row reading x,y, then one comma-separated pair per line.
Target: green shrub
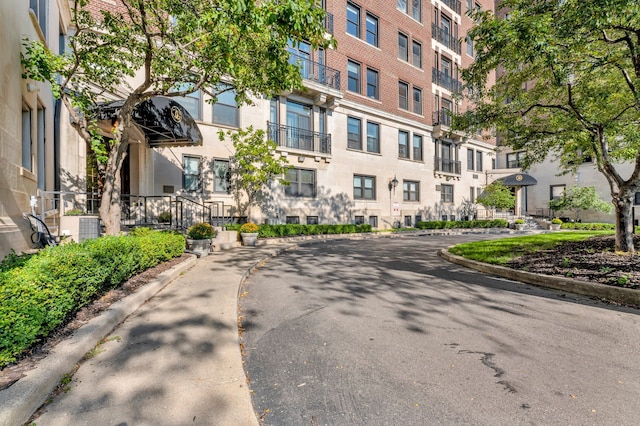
x,y
248,228
462,224
556,221
201,231
74,212
589,226
290,230
39,292
164,217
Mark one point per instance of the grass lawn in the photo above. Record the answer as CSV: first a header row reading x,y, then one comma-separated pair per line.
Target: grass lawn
x,y
503,250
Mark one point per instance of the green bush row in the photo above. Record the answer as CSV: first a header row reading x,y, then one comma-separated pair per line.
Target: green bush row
x,y
588,226
442,224
270,231
39,292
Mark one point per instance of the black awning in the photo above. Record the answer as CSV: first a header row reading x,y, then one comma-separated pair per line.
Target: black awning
x,y
519,179
163,121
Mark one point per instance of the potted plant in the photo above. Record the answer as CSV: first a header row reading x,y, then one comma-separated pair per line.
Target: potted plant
x,y
249,233
164,217
555,224
199,237
519,224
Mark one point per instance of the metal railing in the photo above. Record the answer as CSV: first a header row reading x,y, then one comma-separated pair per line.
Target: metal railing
x,y
454,5
294,137
445,80
146,210
447,166
442,118
444,36
328,22
188,212
315,71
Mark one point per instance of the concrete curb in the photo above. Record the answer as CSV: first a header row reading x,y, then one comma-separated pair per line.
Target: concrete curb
x,y
620,295
24,397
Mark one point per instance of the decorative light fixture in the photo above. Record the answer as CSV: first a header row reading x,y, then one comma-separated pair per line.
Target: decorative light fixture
x,y
393,184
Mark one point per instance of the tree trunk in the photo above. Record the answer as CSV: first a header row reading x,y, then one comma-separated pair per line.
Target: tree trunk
x,y
624,224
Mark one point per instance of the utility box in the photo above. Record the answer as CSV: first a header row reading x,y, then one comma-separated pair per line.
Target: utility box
x,y
80,228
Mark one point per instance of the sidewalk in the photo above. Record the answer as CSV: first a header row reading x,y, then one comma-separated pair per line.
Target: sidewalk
x,y
175,360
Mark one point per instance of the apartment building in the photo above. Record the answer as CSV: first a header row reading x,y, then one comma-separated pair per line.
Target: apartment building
x,y
369,137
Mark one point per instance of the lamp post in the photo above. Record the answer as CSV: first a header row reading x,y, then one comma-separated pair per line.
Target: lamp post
x,y
393,183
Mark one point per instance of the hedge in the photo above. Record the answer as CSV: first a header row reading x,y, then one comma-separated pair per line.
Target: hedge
x,y
449,224
289,230
39,292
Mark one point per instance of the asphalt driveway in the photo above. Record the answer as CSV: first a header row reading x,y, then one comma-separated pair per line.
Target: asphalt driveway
x,y
384,332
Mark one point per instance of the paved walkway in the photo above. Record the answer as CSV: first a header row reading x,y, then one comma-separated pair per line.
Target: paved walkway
x,y
174,361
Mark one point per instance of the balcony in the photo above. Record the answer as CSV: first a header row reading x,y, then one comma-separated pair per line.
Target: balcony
x,y
453,5
443,165
300,139
445,37
442,125
321,81
444,79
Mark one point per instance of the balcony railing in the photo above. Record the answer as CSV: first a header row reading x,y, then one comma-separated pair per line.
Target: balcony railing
x,y
445,37
445,80
303,139
453,5
317,72
442,118
447,166
328,22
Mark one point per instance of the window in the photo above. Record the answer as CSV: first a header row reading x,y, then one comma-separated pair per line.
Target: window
x,y
402,5
353,20
372,30
302,183
292,220
514,160
373,137
417,147
225,110
191,178
312,220
417,54
469,5
39,8
417,100
373,221
354,133
410,190
403,47
372,84
191,101
407,221
364,187
469,46
353,76
403,95
556,191
221,176
27,141
446,193
472,194
470,160
479,161
358,220
403,144
416,10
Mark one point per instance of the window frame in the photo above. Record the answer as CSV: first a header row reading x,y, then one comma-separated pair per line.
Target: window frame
x,y
411,188
471,159
403,85
299,192
227,106
360,191
418,8
374,85
414,44
375,34
417,151
354,143
403,53
406,144
375,138
197,177
561,186
350,23
446,196
417,104
195,97
404,9
479,161
220,183
357,78
27,137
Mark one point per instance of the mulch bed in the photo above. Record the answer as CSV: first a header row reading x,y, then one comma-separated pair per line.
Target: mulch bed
x,y
28,360
593,260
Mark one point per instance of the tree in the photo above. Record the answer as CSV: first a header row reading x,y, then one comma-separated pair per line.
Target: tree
x,y
253,166
497,196
580,198
567,85
139,49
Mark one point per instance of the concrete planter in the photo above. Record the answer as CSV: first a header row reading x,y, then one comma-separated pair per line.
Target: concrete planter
x,y
519,226
201,247
249,238
554,226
